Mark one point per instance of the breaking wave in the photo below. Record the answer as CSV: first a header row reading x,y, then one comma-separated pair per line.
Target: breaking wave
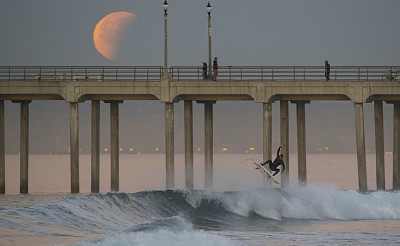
x,y
175,216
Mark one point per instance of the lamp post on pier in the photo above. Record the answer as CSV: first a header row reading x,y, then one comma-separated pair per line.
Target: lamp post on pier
x,y
209,8
165,7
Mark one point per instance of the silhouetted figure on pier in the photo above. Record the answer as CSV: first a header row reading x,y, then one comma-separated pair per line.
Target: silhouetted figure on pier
x,y
204,70
327,70
277,162
215,69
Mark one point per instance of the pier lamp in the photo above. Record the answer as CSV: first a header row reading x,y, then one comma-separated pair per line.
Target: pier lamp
x,y
209,8
165,7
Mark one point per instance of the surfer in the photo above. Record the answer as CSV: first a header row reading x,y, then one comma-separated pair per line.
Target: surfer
x,y
277,162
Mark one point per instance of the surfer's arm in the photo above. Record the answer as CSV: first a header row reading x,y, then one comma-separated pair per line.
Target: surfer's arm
x,y
279,150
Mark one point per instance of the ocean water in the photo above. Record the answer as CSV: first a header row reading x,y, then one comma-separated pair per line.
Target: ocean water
x,y
241,209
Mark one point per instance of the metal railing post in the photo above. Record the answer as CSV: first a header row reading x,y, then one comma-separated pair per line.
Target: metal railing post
x,y
335,74
262,73
272,74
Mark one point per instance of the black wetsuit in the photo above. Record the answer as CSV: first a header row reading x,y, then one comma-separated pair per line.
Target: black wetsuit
x,y
277,162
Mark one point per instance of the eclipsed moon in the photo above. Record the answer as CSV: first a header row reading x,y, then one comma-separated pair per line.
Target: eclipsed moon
x,y
109,32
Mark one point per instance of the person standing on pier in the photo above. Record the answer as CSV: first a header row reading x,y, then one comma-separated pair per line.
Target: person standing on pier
x,y
327,70
204,71
277,162
215,69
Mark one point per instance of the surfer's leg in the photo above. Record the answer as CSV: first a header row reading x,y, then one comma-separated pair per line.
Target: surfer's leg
x,y
269,162
276,171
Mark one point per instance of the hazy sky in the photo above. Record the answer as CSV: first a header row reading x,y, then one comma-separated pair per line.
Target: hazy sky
x,y
253,32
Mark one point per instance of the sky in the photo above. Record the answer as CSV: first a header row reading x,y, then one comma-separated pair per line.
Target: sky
x,y
253,32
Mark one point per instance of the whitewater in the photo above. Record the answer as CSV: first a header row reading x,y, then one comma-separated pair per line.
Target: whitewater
x,y
267,216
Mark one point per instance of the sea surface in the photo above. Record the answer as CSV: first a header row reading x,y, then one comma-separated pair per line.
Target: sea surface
x,y
241,209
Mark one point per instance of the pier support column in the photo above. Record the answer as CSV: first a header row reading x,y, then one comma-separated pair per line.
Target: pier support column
x,y
2,150
284,121
74,146
208,144
379,146
169,145
360,139
301,141
114,125
267,131
95,157
396,146
24,147
188,121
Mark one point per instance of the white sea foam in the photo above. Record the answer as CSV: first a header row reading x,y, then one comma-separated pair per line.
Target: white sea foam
x,y
330,203
311,202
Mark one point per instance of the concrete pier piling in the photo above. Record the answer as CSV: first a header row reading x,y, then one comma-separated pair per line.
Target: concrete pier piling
x,y
360,141
301,141
114,125
379,145
2,150
169,145
208,144
284,124
267,131
95,149
396,146
74,146
24,148
188,122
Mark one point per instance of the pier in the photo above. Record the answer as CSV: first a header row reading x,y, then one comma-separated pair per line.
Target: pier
x,y
299,85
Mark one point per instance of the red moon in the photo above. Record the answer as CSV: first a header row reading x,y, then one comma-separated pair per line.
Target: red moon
x,y
109,32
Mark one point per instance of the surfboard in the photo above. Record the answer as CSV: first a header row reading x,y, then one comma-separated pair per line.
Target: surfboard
x,y
265,173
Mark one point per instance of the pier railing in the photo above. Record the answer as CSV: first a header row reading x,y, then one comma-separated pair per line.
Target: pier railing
x,y
195,73
82,73
290,73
